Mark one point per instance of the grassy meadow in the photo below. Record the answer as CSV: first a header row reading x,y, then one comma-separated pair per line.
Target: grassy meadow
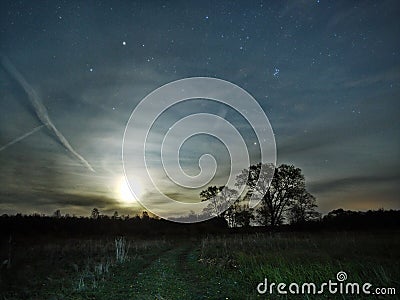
x,y
213,267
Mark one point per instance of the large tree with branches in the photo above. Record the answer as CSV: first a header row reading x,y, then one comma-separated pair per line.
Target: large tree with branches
x,y
221,202
286,191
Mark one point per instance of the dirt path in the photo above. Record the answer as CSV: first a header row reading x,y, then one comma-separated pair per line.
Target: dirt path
x,y
168,275
186,262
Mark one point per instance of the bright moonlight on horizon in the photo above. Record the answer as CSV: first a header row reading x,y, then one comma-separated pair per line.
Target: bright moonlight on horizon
x,y
125,193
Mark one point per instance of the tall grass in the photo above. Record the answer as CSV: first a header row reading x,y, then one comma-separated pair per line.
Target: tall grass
x,y
121,249
40,266
289,257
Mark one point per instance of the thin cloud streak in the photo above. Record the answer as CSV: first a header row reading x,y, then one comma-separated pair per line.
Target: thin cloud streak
x,y
21,138
41,111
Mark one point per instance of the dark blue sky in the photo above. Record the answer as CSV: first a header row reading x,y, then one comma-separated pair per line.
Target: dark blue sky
x,y
326,73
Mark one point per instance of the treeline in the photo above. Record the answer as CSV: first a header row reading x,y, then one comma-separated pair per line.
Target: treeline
x,y
103,225
373,219
146,226
340,219
284,204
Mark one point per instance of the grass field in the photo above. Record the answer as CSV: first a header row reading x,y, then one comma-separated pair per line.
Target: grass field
x,y
214,267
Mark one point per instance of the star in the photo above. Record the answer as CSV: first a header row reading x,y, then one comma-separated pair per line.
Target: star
x,y
124,43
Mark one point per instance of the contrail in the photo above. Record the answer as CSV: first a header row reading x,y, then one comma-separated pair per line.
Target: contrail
x,y
20,138
41,111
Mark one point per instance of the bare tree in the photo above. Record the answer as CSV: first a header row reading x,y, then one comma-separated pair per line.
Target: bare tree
x,y
285,191
220,198
303,209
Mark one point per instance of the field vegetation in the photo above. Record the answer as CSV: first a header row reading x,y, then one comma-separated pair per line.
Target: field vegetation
x,y
219,266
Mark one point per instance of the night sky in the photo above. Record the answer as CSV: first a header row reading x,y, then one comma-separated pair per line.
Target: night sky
x,y
326,73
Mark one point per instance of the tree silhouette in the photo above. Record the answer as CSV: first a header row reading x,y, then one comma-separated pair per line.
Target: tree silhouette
x,y
220,199
95,213
145,216
57,214
286,190
115,215
244,215
303,209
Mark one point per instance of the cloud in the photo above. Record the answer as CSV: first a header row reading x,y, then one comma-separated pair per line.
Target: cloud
x,y
41,111
21,138
47,200
336,184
